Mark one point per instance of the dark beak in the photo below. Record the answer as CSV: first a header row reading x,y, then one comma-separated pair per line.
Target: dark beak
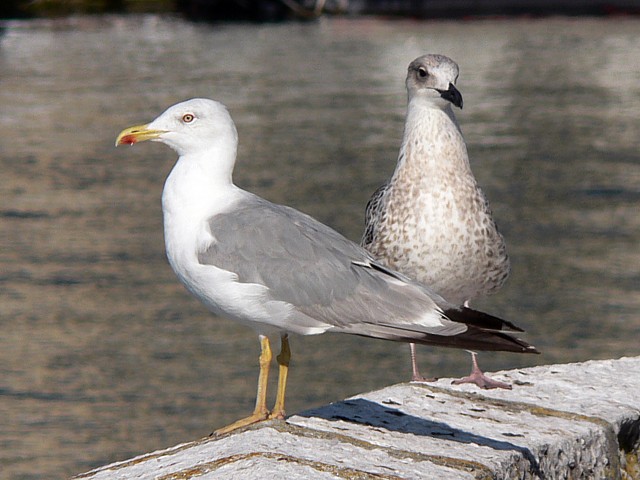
x,y
453,95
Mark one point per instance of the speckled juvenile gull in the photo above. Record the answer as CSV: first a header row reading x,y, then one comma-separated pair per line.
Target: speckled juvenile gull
x,y
278,270
431,221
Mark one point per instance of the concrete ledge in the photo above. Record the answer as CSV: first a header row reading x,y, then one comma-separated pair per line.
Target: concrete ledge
x,y
570,421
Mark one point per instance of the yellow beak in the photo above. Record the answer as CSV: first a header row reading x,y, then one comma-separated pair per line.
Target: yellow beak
x,y
137,133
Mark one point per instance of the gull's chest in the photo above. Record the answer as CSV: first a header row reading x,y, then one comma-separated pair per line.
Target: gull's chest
x,y
438,229
435,213
188,204
186,231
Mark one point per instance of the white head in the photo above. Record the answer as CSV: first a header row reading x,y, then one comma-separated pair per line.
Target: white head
x,y
189,127
432,78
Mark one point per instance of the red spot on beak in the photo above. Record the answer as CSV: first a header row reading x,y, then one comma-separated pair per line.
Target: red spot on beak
x,y
128,140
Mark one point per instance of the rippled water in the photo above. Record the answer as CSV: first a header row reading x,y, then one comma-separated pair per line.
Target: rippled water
x,y
103,355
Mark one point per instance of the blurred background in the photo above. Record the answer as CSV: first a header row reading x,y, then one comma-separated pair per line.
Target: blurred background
x,y
104,355
277,10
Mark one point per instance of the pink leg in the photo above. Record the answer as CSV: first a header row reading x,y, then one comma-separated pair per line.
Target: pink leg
x,y
479,378
416,377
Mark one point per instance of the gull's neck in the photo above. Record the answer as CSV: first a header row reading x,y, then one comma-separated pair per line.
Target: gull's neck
x,y
432,143
200,181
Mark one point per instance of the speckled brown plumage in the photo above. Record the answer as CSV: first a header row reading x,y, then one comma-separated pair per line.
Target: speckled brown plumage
x,y
431,221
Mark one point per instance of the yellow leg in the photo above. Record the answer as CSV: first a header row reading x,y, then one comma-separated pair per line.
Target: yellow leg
x,y
283,362
263,378
260,413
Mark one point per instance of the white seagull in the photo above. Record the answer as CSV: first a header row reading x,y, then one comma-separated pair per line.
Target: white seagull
x,y
278,270
431,221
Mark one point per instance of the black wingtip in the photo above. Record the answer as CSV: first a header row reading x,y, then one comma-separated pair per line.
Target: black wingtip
x,y
486,332
480,319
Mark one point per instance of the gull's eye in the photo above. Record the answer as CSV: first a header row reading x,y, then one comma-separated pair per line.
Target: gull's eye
x,y
422,72
188,118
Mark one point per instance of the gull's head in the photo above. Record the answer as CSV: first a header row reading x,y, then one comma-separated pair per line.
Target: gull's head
x,y
188,127
433,78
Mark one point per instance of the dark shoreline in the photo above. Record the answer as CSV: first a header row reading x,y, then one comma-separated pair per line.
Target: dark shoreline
x,y
282,10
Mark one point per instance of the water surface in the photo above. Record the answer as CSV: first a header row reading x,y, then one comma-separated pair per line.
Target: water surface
x,y
103,355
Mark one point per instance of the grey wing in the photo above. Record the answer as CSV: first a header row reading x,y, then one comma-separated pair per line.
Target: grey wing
x,y
287,251
329,279
373,212
321,273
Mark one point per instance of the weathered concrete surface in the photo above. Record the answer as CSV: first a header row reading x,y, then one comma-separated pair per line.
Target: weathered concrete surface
x,y
559,422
